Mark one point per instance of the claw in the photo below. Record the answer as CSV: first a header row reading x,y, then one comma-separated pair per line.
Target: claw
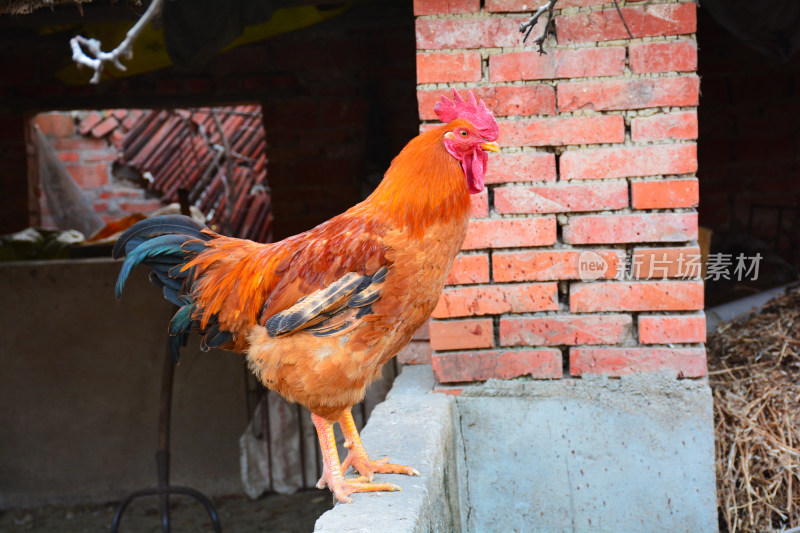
x,y
344,490
343,487
333,472
367,467
357,456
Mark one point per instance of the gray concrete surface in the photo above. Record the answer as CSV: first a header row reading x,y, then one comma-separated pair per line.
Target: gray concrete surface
x,y
741,308
80,375
414,426
594,454
631,454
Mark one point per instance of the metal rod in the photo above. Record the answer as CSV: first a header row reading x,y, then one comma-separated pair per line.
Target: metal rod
x,y
162,454
162,461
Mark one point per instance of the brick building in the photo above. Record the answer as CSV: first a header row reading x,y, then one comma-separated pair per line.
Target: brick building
x,y
582,256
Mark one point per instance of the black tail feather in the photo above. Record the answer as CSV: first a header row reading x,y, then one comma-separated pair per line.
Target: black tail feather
x,y
153,227
160,253
166,244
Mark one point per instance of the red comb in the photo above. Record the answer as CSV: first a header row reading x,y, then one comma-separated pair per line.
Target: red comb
x,y
473,111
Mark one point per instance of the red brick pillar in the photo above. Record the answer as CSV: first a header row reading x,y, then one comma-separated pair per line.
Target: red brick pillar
x,y
598,169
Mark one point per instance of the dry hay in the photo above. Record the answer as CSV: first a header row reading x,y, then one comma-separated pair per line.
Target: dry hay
x,y
754,366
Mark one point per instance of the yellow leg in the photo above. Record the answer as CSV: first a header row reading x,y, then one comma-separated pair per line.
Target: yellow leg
x,y
333,474
357,456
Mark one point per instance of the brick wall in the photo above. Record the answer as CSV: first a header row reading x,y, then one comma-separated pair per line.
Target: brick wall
x,y
88,154
598,155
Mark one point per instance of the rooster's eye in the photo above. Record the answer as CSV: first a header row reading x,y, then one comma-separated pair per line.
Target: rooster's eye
x,y
463,133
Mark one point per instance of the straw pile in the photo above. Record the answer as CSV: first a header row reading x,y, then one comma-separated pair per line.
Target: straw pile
x,y
754,370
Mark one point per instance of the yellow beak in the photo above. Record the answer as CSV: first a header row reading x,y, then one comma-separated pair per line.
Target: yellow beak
x,y
490,147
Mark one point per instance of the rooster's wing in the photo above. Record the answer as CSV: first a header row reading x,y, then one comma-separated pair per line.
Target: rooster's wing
x,y
333,310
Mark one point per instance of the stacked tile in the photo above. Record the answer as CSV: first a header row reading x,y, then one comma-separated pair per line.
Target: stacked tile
x,y
184,149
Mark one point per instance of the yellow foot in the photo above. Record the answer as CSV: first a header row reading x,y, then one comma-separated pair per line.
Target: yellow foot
x,y
342,487
358,459
332,472
357,456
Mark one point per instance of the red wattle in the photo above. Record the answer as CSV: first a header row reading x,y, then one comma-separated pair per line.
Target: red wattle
x,y
474,166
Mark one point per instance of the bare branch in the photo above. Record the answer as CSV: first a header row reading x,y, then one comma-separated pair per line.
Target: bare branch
x,y
226,175
624,22
96,59
527,27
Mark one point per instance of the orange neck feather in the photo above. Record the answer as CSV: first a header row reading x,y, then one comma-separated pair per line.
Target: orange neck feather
x,y
424,185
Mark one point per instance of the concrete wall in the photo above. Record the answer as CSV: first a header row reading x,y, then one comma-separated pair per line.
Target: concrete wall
x,y
592,454
80,377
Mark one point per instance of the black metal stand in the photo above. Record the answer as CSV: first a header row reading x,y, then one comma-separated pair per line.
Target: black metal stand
x,y
164,489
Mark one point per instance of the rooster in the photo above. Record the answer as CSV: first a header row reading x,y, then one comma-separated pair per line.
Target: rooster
x,y
317,315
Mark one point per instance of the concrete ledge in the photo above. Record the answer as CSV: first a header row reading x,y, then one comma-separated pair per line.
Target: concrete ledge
x,y
415,427
740,308
592,454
